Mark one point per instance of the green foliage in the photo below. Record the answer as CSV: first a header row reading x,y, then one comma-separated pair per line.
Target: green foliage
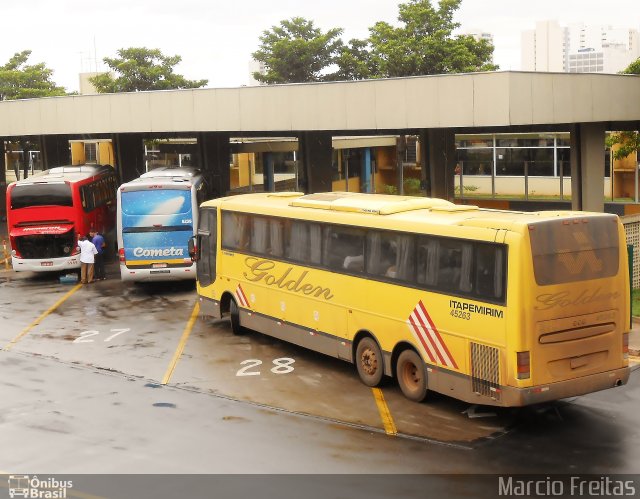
x,y
18,80
633,68
467,189
355,62
412,186
628,141
297,52
424,43
389,189
140,68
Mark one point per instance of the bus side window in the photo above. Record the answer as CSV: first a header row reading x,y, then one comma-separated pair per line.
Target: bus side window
x,y
428,260
236,230
305,242
260,235
344,248
276,235
489,275
391,255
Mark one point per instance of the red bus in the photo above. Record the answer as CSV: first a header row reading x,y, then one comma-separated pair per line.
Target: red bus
x,y
47,212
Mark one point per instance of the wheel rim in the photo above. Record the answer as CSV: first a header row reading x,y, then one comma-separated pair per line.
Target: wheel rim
x,y
369,362
411,376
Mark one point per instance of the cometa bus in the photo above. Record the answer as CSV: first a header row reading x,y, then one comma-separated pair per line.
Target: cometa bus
x,y
490,307
157,214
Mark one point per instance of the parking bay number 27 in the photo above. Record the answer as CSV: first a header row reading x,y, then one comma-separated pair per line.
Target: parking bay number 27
x,y
85,335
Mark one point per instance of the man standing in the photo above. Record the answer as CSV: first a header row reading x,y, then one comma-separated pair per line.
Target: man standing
x,y
99,243
87,258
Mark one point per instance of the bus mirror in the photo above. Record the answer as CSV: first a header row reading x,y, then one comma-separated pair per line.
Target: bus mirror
x,y
193,248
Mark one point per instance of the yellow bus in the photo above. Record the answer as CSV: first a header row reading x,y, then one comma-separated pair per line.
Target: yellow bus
x,y
491,307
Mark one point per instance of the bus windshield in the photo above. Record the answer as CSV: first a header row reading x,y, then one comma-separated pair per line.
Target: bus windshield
x,y
574,250
156,202
23,196
168,207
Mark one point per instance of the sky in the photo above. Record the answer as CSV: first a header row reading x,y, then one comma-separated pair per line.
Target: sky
x,y
215,39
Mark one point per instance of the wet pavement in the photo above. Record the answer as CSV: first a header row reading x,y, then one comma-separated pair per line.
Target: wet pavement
x,y
113,377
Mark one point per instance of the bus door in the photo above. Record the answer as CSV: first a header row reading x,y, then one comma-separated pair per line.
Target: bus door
x,y
206,245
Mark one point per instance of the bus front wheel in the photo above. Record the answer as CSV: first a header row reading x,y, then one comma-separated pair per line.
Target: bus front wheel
x,y
234,313
369,362
412,376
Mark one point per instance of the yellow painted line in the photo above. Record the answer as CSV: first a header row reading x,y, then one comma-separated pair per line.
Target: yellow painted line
x,y
385,414
181,345
42,317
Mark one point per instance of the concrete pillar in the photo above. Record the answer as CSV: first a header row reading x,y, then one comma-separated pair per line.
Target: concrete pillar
x,y
366,171
268,176
129,153
316,150
215,154
55,150
439,162
587,166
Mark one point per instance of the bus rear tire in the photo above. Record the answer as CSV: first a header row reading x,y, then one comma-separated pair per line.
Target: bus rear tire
x,y
369,361
412,376
234,313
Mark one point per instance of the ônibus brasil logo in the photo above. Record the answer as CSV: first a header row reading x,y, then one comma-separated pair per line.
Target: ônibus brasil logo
x,y
48,488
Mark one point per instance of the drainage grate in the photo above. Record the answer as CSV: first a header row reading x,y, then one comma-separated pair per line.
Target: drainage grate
x,y
485,370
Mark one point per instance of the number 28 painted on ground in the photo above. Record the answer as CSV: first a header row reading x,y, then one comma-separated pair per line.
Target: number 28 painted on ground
x,y
282,365
85,335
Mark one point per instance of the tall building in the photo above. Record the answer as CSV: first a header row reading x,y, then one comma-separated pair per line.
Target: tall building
x,y
579,48
543,49
255,67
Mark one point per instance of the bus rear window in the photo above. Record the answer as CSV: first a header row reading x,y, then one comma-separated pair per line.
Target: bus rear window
x,y
156,202
570,250
23,196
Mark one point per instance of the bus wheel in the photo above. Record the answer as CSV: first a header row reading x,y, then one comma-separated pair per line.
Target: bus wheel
x,y
369,362
234,312
411,375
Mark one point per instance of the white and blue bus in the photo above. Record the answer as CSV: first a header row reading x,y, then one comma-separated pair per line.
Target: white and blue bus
x,y
157,214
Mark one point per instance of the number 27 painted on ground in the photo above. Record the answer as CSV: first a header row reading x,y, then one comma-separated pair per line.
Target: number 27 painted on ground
x,y
85,335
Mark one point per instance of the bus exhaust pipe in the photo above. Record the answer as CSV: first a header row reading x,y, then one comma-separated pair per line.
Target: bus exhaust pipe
x,y
618,382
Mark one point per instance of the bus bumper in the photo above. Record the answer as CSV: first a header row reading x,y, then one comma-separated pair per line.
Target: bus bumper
x,y
49,265
514,397
148,275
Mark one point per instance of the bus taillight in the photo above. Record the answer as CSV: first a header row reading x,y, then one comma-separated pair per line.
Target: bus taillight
x,y
121,255
524,365
625,345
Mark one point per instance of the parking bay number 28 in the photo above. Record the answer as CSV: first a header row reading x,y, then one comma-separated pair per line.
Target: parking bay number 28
x,y
283,365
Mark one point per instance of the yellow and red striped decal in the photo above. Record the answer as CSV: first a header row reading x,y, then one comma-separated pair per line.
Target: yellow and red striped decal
x,y
242,298
428,337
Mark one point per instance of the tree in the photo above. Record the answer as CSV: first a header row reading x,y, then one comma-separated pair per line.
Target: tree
x,y
355,62
628,142
18,80
296,52
140,68
633,68
424,44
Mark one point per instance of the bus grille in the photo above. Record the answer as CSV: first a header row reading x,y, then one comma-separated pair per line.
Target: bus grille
x,y
485,370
